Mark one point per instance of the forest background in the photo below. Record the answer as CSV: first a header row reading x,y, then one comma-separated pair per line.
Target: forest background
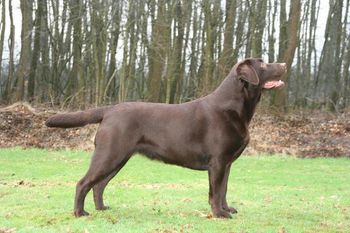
x,y
79,53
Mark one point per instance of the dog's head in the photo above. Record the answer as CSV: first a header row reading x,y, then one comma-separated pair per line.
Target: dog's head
x,y
258,74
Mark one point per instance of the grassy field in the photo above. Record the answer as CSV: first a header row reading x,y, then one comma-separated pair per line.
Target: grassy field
x,y
271,193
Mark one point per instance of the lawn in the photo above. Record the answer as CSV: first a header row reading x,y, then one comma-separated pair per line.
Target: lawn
x,y
271,193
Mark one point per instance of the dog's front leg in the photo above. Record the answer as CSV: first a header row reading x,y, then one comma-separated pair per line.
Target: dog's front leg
x,y
227,174
216,174
224,186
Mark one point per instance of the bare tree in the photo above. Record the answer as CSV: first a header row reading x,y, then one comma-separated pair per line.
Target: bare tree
x,y
272,30
76,84
11,67
226,60
280,98
26,40
2,38
36,50
157,51
116,11
174,75
82,52
328,77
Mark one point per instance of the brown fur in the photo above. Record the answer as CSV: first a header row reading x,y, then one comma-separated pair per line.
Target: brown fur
x,y
205,134
77,119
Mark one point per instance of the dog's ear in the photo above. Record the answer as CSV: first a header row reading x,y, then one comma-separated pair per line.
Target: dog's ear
x,y
246,72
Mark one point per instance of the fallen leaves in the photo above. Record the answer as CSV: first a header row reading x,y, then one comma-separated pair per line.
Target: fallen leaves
x,y
7,230
316,134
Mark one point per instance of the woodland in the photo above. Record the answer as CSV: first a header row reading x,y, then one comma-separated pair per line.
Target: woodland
x,y
66,55
81,53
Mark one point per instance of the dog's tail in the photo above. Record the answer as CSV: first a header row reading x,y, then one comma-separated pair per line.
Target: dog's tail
x,y
77,119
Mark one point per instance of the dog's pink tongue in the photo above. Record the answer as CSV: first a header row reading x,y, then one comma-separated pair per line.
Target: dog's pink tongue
x,y
273,84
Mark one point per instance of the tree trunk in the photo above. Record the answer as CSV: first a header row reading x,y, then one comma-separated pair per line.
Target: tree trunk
x,y
2,39
330,61
134,40
194,58
99,43
56,49
24,60
226,56
252,18
240,34
283,35
346,75
257,43
117,9
11,67
76,80
208,48
346,67
280,98
36,50
272,30
128,40
176,73
183,82
157,53
45,74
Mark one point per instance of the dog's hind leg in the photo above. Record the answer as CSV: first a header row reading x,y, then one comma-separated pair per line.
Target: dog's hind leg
x,y
104,162
99,188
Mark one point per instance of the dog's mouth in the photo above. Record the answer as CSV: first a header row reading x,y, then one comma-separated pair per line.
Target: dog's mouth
x,y
273,84
281,70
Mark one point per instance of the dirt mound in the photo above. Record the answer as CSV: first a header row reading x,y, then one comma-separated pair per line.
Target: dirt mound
x,y
315,134
303,134
21,125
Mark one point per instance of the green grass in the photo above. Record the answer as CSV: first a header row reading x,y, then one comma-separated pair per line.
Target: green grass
x,y
271,193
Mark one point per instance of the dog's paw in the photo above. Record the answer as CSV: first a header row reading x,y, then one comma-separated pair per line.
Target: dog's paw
x,y
80,213
222,214
230,210
103,207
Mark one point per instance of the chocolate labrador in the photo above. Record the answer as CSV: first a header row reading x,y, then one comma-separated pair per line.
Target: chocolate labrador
x,y
205,134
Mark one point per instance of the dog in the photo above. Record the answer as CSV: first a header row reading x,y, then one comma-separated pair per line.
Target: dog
x,y
208,133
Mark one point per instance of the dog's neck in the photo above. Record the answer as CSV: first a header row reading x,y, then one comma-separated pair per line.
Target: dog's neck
x,y
227,98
